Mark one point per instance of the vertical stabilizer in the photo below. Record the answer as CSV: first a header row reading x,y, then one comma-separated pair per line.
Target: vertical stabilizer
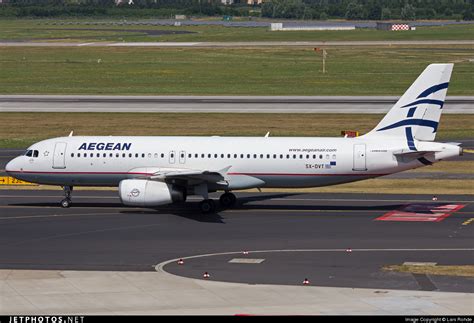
x,y
416,114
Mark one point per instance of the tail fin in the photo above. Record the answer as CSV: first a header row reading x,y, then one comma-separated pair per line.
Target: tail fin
x,y
416,114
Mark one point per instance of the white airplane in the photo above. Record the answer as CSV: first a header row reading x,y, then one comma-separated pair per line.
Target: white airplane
x,y
153,171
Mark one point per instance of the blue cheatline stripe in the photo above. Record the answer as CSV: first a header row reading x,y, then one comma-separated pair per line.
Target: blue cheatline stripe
x,y
411,112
433,89
429,101
410,142
424,161
412,122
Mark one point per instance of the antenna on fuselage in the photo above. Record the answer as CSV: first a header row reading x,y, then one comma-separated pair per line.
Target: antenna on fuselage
x,y
71,133
267,135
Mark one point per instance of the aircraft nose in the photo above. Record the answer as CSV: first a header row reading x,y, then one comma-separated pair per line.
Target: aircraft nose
x,y
10,166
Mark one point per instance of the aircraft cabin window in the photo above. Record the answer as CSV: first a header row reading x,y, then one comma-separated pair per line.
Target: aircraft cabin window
x,y
98,155
287,156
301,156
110,155
235,155
149,155
104,155
248,155
294,156
222,155
196,155
143,155
162,155
254,155
117,155
327,156
320,156
91,155
182,155
241,155
156,155
333,156
124,155
78,154
72,154
129,155
314,156
190,155
215,156
281,156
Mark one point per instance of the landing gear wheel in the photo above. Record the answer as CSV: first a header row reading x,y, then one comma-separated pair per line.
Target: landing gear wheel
x,y
65,203
227,200
207,206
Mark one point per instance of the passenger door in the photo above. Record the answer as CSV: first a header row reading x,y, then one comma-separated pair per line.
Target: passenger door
x,y
59,157
360,161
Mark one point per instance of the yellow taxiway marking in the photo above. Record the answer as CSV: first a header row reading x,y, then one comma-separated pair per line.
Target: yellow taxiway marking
x,y
469,151
467,222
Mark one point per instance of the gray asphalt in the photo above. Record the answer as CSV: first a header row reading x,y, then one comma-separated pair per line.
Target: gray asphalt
x,y
98,233
252,22
220,104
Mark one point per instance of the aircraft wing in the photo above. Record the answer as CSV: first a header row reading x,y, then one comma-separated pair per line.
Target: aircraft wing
x,y
193,177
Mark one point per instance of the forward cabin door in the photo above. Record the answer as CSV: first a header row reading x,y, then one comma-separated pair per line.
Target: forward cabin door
x,y
360,160
59,157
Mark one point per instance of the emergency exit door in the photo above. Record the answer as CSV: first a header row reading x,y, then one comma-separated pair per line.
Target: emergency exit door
x,y
360,158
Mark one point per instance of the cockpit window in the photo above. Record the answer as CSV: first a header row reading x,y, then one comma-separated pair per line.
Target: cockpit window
x,y
32,153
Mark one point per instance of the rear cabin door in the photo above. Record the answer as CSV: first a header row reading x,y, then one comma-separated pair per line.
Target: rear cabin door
x,y
360,160
59,157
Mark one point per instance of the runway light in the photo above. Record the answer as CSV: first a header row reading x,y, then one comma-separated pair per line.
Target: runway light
x,y
245,252
181,262
306,281
348,250
435,198
206,275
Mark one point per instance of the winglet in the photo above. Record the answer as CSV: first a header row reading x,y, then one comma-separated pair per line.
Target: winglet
x,y
225,170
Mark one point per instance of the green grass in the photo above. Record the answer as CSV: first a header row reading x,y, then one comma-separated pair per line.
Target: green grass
x,y
385,70
19,130
20,29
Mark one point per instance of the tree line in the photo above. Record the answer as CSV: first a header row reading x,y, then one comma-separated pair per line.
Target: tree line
x,y
289,9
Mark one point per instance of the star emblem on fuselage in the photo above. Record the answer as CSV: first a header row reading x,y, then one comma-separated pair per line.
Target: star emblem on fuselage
x,y
46,153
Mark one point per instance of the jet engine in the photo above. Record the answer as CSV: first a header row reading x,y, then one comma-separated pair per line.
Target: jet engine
x,y
142,192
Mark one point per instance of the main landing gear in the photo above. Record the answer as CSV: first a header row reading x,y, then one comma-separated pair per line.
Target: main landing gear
x,y
226,200
66,202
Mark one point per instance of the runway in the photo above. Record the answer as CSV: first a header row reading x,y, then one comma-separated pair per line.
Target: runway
x,y
215,104
297,235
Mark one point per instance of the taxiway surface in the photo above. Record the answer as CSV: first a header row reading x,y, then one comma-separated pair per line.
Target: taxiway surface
x,y
298,236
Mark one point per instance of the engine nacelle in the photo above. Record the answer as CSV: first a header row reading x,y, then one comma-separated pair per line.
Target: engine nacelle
x,y
142,192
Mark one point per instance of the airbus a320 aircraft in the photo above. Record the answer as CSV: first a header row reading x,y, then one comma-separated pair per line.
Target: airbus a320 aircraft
x,y
153,171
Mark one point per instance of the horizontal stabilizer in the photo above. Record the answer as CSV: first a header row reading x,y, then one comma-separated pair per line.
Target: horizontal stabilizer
x,y
414,154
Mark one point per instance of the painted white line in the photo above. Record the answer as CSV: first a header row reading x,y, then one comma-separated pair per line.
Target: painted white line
x,y
85,44
410,263
246,261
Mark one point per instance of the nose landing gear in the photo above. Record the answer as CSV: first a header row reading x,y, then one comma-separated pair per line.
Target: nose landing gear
x,y
66,202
